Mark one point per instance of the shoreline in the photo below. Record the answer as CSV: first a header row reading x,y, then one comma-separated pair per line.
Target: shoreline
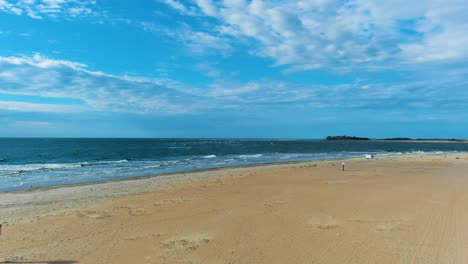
x,y
25,205
91,192
19,206
183,172
423,141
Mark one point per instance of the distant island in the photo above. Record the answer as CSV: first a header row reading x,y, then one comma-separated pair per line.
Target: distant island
x,y
346,138
396,139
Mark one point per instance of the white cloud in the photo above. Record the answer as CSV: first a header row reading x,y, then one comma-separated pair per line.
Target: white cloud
x,y
196,42
38,9
207,6
445,46
34,107
37,60
234,93
445,34
6,6
176,5
41,76
341,35
201,43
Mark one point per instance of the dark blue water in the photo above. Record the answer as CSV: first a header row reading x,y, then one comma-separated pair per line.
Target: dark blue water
x,y
31,163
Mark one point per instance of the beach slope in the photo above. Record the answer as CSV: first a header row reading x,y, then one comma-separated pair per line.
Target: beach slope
x,y
408,209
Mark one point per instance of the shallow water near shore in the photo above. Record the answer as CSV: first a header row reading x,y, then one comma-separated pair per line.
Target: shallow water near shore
x,y
40,162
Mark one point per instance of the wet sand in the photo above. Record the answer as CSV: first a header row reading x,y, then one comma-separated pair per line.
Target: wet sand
x,y
406,209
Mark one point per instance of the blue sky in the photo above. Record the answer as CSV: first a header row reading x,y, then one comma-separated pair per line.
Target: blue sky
x,y
233,68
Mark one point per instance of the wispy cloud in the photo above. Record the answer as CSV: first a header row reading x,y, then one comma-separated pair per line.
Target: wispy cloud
x,y
33,123
35,107
39,9
341,35
207,6
430,94
42,76
176,5
100,91
196,42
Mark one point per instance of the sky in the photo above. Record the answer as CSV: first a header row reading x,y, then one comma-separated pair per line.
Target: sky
x,y
233,68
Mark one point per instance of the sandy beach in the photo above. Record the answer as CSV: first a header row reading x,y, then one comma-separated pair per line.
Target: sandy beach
x,y
396,209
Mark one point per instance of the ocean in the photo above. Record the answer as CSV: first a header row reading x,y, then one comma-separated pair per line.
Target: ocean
x,y
40,162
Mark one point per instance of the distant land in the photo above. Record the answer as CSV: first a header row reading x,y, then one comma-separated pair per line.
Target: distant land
x,y
346,138
397,139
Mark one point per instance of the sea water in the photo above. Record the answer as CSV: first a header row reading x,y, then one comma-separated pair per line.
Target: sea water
x,y
40,162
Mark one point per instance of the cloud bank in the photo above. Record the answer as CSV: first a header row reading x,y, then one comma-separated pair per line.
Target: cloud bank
x,y
48,78
40,76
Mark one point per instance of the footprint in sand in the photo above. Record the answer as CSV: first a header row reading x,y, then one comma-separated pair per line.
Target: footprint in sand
x,y
274,203
94,214
189,242
135,238
336,181
324,223
362,220
390,226
121,207
308,166
136,212
384,226
207,185
139,237
15,259
171,201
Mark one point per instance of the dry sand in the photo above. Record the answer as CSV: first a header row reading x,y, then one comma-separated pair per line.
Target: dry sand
x,y
408,209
